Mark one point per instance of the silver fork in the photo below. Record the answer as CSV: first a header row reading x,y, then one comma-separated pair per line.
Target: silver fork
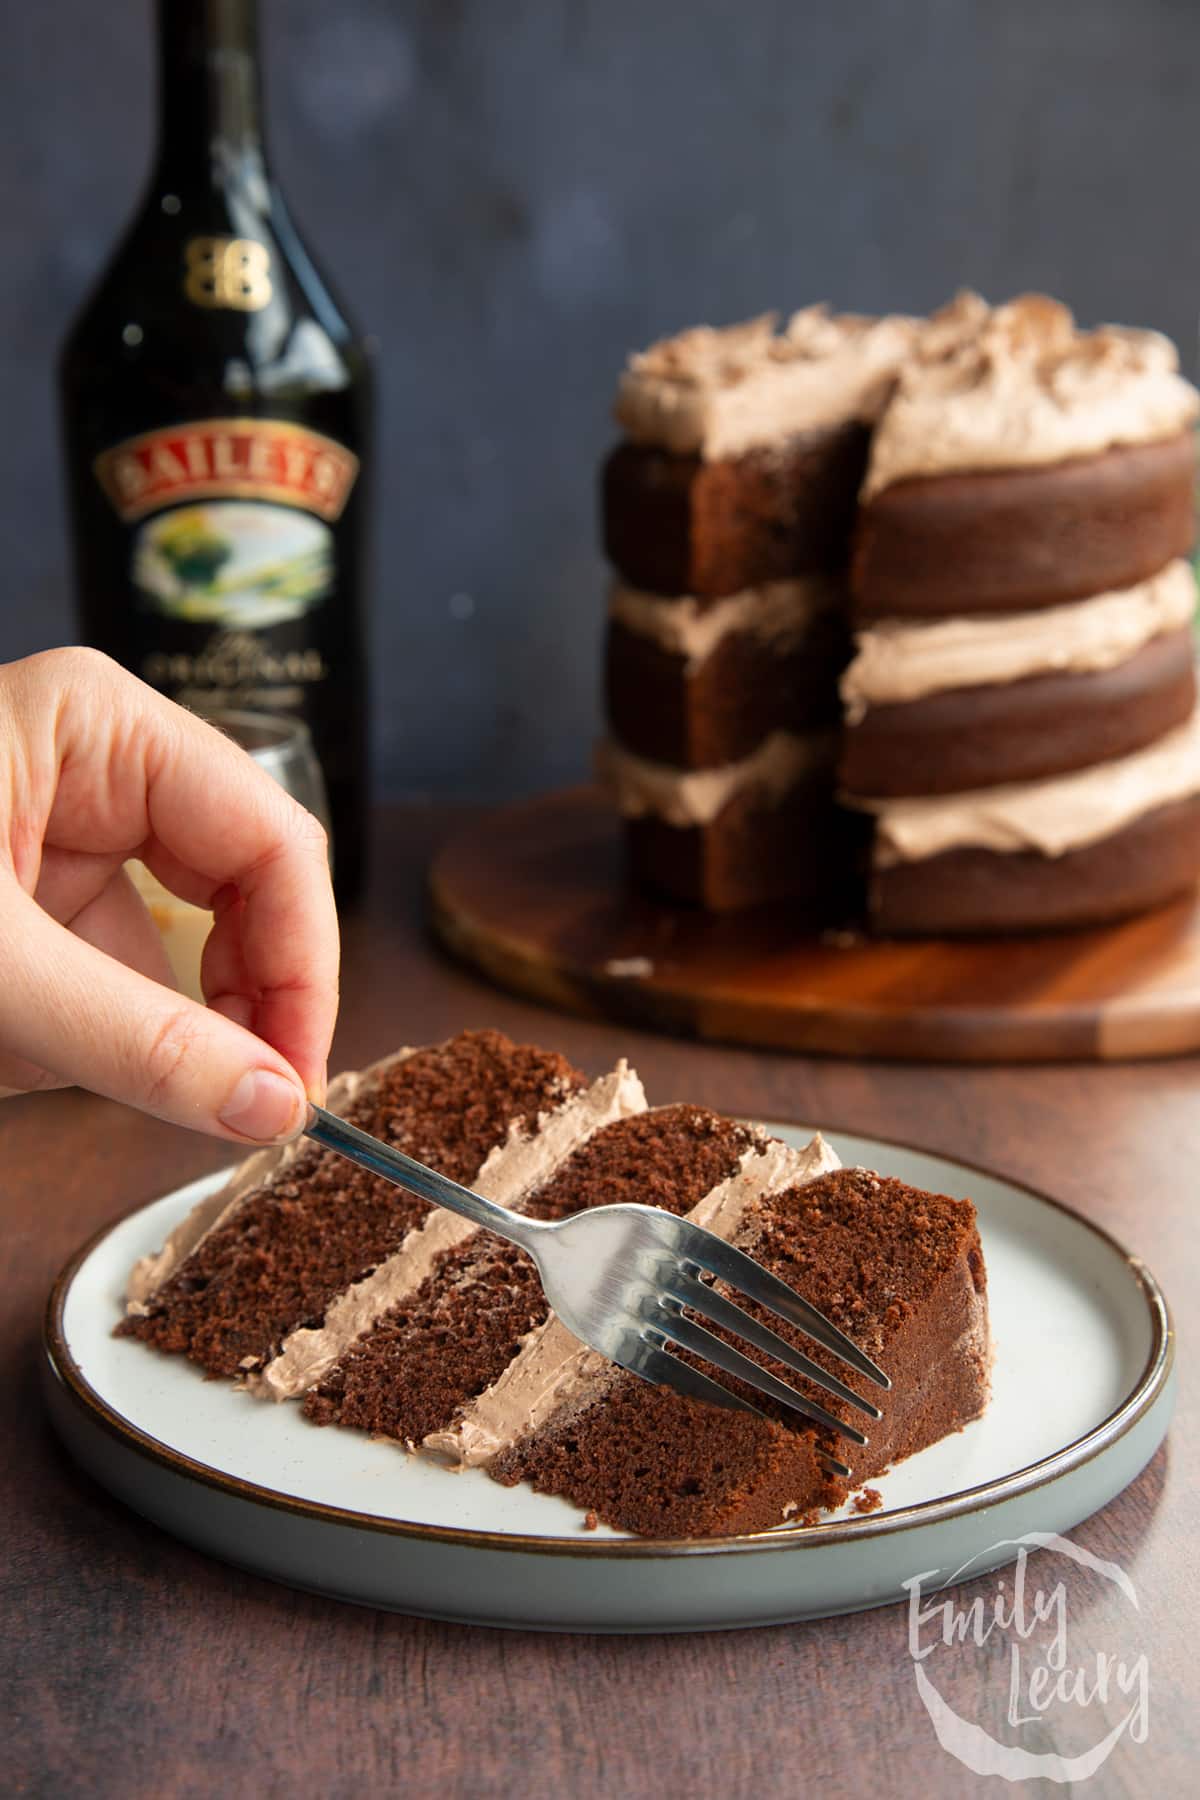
x,y
623,1280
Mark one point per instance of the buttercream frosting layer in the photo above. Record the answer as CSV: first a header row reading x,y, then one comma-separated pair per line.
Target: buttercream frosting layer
x,y
898,661
1050,817
782,611
553,1370
1019,385
687,797
720,392
512,1172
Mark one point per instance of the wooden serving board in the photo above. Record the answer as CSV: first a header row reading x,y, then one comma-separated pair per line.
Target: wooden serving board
x,y
534,895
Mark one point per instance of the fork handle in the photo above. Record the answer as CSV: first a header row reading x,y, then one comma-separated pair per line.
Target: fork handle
x,y
369,1153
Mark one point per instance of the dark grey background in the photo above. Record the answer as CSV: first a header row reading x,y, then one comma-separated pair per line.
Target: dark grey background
x,y
512,193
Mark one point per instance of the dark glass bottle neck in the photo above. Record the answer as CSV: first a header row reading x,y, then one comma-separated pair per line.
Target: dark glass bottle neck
x,y
209,93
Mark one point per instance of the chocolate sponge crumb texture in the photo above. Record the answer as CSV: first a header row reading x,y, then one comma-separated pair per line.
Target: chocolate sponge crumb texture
x,y
304,1251
310,1281
861,564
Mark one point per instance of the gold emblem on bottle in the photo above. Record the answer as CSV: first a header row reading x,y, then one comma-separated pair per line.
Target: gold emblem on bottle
x,y
227,272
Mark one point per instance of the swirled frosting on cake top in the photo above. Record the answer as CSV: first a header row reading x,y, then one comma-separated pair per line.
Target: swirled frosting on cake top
x,y
1020,386
718,392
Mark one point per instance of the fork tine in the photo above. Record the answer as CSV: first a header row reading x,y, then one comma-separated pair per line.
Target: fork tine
x,y
718,1258
662,1369
670,1321
718,1311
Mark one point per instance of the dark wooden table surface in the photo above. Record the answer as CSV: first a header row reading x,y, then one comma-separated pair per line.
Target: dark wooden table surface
x,y
131,1664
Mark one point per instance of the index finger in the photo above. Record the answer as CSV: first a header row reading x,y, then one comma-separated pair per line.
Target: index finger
x,y
203,816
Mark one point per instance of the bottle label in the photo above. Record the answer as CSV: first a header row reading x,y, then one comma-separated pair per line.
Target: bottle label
x,y
232,552
261,459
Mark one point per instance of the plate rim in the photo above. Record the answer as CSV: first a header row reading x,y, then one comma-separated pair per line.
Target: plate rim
x,y
1148,1388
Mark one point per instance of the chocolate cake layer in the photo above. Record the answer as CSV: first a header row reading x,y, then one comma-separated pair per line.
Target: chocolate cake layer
x,y
973,890
453,1337
649,1460
748,687
1015,539
679,525
899,1270
282,1255
1020,730
805,848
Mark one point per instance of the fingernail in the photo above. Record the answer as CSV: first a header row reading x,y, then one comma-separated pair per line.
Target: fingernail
x,y
263,1106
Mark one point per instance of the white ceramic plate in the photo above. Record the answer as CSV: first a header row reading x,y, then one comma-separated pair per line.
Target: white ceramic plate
x,y
1082,1394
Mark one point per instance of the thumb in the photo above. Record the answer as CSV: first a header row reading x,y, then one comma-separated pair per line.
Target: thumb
x,y
88,1019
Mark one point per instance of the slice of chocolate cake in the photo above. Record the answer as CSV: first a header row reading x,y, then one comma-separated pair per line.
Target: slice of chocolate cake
x,y
899,1270
300,1230
306,1279
455,1334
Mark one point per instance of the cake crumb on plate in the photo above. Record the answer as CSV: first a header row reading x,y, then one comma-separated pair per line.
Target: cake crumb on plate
x,y
869,1500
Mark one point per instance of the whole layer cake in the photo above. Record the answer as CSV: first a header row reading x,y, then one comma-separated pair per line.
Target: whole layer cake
x,y
1019,595
306,1279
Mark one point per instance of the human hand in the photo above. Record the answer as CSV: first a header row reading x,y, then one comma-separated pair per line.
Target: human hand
x,y
96,768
